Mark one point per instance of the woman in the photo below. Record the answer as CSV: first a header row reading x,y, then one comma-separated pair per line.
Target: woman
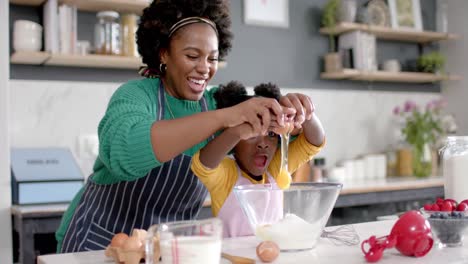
x,y
152,127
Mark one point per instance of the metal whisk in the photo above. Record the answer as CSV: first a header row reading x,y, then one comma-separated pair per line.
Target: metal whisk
x,y
343,235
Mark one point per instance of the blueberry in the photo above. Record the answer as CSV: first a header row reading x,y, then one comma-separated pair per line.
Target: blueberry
x,y
436,215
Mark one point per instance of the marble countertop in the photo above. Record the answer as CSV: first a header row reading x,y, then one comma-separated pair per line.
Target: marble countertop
x,y
325,252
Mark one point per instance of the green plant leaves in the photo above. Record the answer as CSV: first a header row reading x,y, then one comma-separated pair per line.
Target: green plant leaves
x,y
431,62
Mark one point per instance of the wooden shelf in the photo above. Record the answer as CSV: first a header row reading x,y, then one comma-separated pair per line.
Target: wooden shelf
x,y
383,76
95,61
131,6
27,2
88,61
389,33
29,57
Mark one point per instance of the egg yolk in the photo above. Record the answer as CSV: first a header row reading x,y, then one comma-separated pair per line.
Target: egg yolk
x,y
284,179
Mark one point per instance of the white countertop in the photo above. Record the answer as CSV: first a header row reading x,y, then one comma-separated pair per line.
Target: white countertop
x,y
325,252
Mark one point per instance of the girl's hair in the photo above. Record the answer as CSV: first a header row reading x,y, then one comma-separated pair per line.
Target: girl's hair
x,y
235,93
153,29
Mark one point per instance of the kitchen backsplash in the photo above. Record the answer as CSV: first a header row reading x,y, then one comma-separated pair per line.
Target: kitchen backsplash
x,y
56,113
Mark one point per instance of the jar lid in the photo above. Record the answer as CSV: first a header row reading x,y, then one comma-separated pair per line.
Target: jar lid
x,y
104,14
457,139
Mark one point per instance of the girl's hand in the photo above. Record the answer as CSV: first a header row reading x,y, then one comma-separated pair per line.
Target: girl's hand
x,y
259,113
302,104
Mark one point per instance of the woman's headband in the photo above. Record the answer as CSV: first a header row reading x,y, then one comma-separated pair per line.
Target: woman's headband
x,y
191,20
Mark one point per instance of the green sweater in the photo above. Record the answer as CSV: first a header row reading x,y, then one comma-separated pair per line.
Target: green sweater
x,y
125,149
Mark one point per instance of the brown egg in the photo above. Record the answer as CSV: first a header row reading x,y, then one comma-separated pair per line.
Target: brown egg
x,y
118,240
133,243
267,251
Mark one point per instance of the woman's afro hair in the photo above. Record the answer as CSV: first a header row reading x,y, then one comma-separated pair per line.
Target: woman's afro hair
x,y
153,29
235,93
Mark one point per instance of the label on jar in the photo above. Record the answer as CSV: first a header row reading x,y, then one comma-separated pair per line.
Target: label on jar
x,y
115,39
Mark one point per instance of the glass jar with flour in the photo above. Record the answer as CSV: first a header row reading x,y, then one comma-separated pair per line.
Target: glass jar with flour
x,y
455,166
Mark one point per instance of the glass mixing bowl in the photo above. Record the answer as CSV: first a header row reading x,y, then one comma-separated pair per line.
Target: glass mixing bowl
x,y
293,218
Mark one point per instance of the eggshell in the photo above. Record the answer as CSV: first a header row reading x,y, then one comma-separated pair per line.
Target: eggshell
x,y
267,251
118,240
288,127
140,233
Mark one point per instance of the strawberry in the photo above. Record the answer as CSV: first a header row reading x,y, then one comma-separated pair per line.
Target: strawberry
x,y
428,207
453,202
462,207
446,206
435,207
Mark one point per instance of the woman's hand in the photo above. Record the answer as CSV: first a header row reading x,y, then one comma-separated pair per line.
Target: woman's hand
x,y
303,106
259,112
243,131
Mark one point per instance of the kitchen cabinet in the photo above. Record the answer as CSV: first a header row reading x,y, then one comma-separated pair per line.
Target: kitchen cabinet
x,y
363,201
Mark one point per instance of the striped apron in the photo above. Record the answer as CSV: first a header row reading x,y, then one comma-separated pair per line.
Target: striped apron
x,y
170,192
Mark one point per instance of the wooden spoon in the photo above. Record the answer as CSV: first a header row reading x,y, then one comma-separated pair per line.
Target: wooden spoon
x,y
237,259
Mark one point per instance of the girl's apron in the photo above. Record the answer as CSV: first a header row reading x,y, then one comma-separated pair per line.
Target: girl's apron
x,y
170,192
235,222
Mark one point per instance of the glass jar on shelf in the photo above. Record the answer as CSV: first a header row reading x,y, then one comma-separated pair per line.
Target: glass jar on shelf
x,y
455,168
442,16
129,23
107,33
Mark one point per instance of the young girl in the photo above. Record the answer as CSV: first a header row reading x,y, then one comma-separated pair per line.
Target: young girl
x,y
257,157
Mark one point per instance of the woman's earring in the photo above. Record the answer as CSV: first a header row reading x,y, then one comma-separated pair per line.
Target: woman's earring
x,y
162,68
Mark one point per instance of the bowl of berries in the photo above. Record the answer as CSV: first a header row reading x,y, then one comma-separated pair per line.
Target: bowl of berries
x,y
449,221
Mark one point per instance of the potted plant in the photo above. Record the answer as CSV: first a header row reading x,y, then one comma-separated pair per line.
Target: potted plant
x,y
421,129
329,20
432,62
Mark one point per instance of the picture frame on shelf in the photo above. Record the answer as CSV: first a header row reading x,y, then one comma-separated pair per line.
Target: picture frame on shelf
x,y
270,13
406,14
